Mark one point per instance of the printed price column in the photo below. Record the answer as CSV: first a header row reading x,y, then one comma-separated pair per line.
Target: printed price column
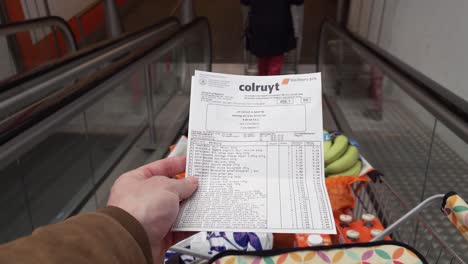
x,y
314,173
301,186
286,183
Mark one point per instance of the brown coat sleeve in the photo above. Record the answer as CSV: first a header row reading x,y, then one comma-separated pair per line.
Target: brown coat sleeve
x,y
109,235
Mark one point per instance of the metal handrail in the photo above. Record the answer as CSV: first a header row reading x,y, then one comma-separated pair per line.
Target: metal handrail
x,y
447,107
52,80
28,79
42,22
101,83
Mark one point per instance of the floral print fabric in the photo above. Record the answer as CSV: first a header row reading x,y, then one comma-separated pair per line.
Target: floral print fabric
x,y
456,210
376,254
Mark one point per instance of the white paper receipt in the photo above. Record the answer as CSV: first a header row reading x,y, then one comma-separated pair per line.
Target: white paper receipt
x,y
255,144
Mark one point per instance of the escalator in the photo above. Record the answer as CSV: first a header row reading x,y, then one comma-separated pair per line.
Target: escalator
x,y
409,127
69,127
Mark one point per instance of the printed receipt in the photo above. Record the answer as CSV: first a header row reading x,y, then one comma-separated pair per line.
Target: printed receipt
x,y
255,144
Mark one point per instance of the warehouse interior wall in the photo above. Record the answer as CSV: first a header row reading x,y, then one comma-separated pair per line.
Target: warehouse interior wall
x,y
427,35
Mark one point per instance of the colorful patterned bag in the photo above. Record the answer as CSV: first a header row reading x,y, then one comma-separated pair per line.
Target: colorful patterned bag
x,y
456,210
380,252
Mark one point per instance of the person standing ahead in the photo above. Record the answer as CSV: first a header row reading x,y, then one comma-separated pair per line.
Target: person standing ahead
x,y
270,32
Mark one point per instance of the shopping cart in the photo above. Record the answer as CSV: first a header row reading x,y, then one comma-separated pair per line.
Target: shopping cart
x,y
406,224
402,223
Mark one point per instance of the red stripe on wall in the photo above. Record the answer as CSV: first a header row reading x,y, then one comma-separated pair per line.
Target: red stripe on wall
x,y
15,13
15,10
93,19
73,23
44,50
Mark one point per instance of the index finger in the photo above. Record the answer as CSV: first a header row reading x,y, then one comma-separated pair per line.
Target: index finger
x,y
167,167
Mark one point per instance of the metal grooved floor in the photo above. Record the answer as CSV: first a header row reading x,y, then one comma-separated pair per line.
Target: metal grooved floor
x,y
399,145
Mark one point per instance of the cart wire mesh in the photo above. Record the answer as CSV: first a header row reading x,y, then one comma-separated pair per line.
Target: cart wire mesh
x,y
380,199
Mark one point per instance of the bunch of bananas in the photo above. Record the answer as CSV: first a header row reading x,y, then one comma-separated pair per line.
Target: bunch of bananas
x,y
341,158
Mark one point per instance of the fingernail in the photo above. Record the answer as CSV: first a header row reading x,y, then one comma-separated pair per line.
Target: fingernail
x,y
192,180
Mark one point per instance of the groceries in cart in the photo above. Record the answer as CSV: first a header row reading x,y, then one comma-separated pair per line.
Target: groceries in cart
x,y
366,232
344,167
341,156
311,240
351,230
212,243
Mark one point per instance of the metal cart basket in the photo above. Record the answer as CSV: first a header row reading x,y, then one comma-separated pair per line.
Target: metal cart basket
x,y
402,222
406,224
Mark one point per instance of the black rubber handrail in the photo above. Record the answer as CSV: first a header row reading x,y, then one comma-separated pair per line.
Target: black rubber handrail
x,y
20,79
42,22
55,102
20,97
446,106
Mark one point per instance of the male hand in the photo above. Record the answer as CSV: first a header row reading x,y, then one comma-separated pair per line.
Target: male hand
x,y
152,196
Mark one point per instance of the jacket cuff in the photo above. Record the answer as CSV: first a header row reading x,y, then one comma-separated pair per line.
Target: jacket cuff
x,y
132,226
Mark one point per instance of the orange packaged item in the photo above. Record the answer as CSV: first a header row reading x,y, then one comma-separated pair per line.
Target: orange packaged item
x,y
180,175
310,240
340,192
345,220
172,147
179,149
353,235
359,231
281,240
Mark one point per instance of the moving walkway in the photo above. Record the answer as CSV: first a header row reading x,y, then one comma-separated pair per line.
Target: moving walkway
x,y
70,127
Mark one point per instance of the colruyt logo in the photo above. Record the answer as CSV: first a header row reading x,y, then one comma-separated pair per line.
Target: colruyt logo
x,y
262,87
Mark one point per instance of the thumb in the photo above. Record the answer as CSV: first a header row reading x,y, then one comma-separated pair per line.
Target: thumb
x,y
184,188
